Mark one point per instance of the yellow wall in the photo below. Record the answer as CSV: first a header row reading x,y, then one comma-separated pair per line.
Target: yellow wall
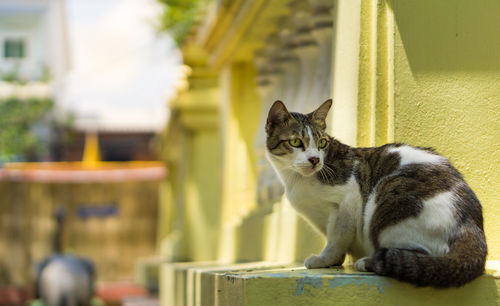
x,y
423,72
429,75
447,90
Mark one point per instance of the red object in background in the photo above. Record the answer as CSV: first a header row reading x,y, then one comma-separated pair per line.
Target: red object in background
x,y
117,292
12,295
109,293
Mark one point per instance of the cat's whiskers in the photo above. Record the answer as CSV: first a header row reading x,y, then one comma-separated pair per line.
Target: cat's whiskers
x,y
333,172
328,172
326,176
323,174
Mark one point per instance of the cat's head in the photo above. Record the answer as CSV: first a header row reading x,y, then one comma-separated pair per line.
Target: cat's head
x,y
297,141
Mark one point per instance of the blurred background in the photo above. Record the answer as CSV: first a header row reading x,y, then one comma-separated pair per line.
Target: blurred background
x,y
143,121
83,97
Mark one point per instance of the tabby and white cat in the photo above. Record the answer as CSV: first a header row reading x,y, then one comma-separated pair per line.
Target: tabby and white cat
x,y
401,211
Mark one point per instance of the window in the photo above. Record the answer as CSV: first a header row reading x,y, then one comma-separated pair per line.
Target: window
x,y
14,48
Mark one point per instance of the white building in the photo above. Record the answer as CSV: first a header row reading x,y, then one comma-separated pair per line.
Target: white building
x,y
33,46
108,65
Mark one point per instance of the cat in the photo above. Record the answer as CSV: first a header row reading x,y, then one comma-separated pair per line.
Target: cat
x,y
398,210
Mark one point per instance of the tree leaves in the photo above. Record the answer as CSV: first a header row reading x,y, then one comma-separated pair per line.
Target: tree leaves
x,y
179,16
17,119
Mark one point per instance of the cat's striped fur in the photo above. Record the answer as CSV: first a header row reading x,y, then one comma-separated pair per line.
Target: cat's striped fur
x,y
401,211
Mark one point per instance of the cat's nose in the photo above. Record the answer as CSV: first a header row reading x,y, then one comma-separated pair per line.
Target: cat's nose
x,y
313,160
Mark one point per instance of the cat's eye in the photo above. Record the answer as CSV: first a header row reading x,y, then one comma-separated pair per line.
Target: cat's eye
x,y
322,143
295,142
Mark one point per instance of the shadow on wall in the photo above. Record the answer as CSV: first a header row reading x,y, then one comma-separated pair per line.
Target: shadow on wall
x,y
458,35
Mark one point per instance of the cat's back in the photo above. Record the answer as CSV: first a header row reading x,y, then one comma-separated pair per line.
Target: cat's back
x,y
395,171
404,161
420,169
415,193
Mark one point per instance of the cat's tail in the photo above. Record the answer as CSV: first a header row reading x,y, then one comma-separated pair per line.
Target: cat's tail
x,y
464,262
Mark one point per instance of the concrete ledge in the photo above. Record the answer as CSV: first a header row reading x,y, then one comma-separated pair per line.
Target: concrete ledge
x,y
173,281
265,283
195,283
344,286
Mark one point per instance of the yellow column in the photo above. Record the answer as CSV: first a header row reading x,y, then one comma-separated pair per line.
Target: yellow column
x,y
240,117
345,70
191,148
375,96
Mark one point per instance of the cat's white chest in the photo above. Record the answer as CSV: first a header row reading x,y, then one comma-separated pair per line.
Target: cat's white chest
x,y
316,201
308,192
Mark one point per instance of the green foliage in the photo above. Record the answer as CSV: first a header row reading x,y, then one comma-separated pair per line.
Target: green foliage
x,y
179,16
12,76
46,75
17,118
95,301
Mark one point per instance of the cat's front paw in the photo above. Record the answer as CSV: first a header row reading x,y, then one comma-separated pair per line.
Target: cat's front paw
x,y
363,264
316,262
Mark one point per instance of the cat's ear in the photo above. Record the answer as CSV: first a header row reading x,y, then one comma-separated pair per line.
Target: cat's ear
x,y
278,114
319,115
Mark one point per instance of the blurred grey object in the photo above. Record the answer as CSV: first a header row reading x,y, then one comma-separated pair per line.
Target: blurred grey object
x,y
64,280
